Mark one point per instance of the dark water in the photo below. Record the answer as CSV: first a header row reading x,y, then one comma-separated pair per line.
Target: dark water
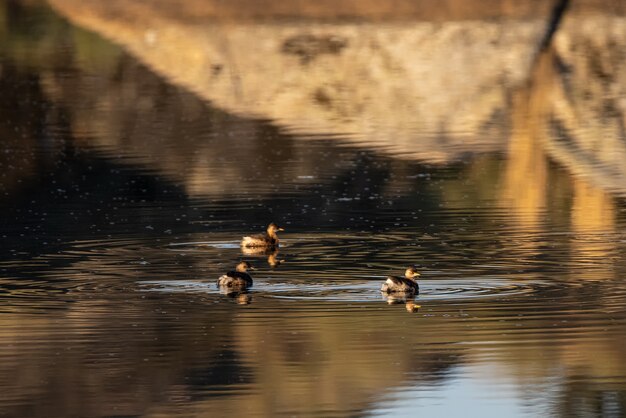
x,y
123,198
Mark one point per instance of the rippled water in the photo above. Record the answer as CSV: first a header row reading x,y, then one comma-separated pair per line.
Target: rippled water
x,y
123,197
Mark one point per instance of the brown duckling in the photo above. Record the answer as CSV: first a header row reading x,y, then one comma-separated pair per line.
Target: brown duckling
x,y
406,284
237,280
269,239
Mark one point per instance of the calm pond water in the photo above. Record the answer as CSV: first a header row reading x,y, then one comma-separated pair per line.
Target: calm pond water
x,y
124,196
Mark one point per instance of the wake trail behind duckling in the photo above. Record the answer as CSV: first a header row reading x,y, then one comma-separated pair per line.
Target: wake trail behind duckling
x,y
362,291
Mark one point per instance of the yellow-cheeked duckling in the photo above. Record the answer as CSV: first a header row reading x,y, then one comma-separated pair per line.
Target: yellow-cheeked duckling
x,y
237,280
406,284
269,239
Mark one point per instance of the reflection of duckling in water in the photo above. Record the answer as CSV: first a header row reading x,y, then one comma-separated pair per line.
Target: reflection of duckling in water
x,y
407,284
244,299
268,240
402,297
237,280
271,253
239,297
412,306
405,298
273,260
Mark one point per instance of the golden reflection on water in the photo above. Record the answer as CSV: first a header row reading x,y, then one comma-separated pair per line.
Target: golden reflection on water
x,y
83,337
377,90
594,246
414,90
525,186
297,361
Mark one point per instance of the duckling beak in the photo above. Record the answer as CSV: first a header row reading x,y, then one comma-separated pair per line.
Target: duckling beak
x,y
280,229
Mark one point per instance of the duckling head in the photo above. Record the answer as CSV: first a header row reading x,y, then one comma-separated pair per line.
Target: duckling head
x,y
243,267
411,273
273,228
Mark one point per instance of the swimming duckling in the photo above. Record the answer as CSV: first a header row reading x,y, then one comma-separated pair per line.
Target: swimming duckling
x,y
269,239
406,284
237,280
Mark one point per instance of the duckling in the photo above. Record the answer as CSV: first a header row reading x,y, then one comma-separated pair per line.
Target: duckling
x,y
406,284
269,239
237,280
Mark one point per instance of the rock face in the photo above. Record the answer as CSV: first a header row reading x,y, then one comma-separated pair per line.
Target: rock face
x,y
421,87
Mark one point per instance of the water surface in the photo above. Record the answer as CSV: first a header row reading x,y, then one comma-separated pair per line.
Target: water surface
x,y
123,196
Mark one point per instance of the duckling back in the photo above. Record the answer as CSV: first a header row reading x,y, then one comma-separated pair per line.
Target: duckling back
x,y
259,241
399,284
235,281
